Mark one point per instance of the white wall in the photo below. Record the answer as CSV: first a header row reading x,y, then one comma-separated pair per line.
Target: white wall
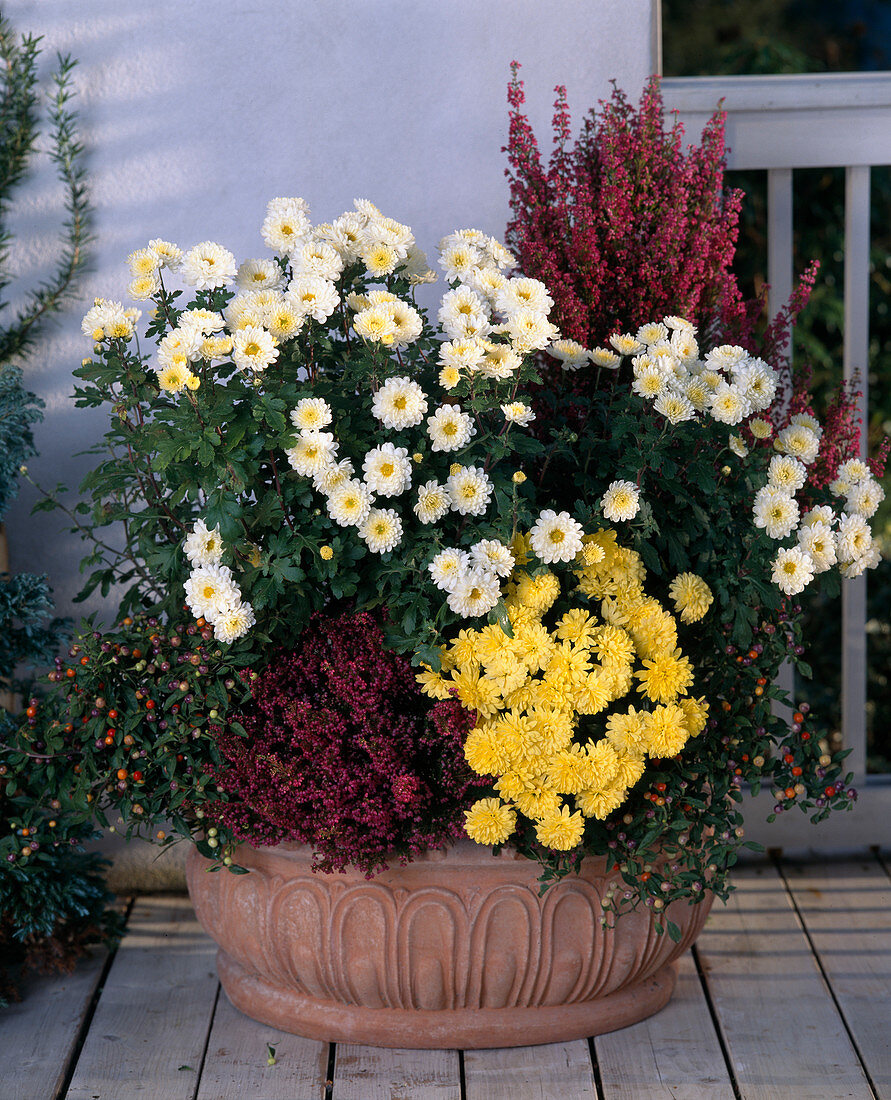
x,y
196,112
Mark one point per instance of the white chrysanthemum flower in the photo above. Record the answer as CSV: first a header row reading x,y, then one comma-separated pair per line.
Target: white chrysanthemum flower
x,y
207,266
216,347
856,568
144,287
312,451
530,330
522,293
853,538
757,382
380,258
375,323
259,275
203,546
865,498
737,444
461,302
253,348
381,530
726,357
798,441
674,322
313,296
349,503
234,623
727,405
556,536
447,567
179,344
820,514
458,259
786,473
805,420
408,322
143,261
104,318
467,326
176,377
470,490
449,428
464,355
817,540
475,593
854,471
625,343
318,258
329,477
204,321
387,470
760,428
603,357
500,361
486,281
168,253
775,511
518,412
415,267
621,501
571,354
284,320
697,393
311,413
433,502
840,487
793,570
684,346
711,378
399,403
649,382
652,333
286,225
492,555
500,256
675,407
346,235
210,590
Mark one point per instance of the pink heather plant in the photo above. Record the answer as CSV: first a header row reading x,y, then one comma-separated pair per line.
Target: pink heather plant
x,y
343,752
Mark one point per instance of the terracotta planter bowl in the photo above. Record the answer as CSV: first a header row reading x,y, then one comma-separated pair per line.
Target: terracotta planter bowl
x,y
456,950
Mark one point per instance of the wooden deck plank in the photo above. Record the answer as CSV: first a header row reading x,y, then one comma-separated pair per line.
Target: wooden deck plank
x,y
783,1033
554,1071
38,1034
374,1073
675,1053
149,1031
236,1061
846,909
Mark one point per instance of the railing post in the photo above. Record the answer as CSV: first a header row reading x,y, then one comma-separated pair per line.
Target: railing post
x,y
779,276
856,359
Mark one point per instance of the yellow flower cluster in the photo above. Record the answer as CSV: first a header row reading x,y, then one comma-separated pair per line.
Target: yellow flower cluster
x,y
529,692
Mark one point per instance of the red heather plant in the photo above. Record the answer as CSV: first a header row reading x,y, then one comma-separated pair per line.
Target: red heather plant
x,y
345,753
626,225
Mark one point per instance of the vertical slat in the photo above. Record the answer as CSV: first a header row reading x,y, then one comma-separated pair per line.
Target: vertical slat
x,y
856,358
779,276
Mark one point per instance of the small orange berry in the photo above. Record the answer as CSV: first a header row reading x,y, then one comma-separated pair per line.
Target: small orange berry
x,y
122,773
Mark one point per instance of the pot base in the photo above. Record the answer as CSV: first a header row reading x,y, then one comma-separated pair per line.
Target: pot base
x,y
283,1007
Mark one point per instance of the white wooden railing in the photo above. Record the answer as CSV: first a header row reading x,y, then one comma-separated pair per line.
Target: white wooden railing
x,y
778,124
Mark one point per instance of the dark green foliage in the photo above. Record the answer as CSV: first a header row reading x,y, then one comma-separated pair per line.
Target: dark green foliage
x,y
52,897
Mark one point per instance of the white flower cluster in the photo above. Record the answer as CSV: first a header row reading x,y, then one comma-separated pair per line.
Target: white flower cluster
x,y
728,385
211,591
106,320
823,537
472,579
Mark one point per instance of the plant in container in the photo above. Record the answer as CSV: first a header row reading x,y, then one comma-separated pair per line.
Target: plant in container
x,y
459,712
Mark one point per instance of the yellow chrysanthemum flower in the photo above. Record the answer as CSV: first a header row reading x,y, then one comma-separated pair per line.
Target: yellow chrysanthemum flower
x,y
560,830
489,821
665,677
692,597
666,730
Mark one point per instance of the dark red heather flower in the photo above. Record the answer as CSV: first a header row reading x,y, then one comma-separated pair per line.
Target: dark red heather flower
x,y
345,753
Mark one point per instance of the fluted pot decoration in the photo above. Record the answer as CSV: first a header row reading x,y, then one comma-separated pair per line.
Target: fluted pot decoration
x,y
458,949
